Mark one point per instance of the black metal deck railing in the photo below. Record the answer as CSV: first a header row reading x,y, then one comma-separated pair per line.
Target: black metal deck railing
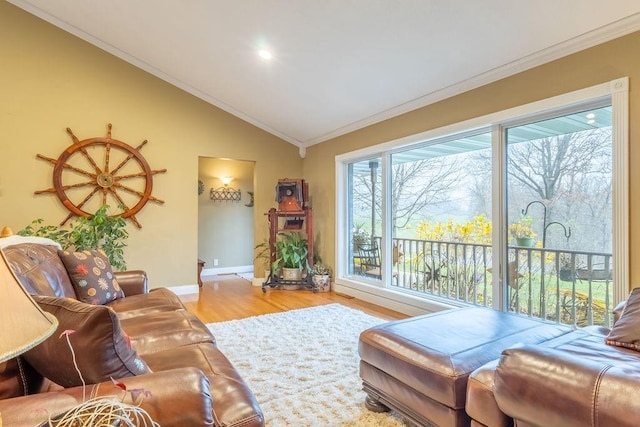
x,y
570,287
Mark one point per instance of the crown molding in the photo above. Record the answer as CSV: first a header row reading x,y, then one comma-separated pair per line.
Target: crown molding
x,y
601,35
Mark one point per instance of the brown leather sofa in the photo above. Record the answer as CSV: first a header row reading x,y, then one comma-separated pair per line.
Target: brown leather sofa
x,y
483,403
191,382
576,381
520,371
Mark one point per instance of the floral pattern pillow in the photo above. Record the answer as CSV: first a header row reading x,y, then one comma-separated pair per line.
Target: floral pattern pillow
x,y
91,276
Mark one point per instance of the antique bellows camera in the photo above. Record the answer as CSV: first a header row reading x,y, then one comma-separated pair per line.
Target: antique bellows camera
x,y
291,195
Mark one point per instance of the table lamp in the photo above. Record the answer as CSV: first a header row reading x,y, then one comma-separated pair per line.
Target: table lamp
x,y
24,324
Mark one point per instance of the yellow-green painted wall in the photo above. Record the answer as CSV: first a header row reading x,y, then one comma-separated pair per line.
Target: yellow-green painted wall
x,y
51,80
602,63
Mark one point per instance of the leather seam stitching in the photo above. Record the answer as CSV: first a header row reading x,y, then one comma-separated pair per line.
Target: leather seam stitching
x,y
23,378
594,394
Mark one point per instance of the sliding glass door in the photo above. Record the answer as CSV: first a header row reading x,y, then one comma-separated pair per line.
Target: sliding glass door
x,y
441,218
559,192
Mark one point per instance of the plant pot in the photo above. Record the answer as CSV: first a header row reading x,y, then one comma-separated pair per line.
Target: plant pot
x,y
525,242
321,282
291,273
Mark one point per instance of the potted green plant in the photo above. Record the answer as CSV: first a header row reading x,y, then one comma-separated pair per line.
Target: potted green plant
x,y
321,277
99,231
360,237
291,255
522,232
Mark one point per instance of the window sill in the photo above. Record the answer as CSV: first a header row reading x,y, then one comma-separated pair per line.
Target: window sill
x,y
403,302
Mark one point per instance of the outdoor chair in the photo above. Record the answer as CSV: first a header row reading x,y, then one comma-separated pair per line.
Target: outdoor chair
x,y
367,261
369,258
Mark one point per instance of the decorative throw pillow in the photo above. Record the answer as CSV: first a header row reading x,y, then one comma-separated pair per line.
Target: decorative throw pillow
x,y
91,276
626,331
102,349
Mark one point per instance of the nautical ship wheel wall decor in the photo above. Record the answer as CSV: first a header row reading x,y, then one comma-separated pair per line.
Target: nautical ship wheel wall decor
x,y
102,171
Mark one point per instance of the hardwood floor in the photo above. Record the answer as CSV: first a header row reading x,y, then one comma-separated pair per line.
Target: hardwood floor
x,y
230,297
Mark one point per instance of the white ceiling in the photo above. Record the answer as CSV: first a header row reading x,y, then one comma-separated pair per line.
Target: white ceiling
x,y
337,65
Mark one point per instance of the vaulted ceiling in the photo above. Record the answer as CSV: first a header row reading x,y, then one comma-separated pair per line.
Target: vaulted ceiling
x,y
336,65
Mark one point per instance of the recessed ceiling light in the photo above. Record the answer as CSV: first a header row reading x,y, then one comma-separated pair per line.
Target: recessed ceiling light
x,y
591,121
591,116
264,54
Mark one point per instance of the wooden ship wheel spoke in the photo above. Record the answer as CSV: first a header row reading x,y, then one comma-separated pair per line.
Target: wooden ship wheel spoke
x,y
129,183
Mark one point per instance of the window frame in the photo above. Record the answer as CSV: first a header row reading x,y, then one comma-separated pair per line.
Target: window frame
x,y
616,91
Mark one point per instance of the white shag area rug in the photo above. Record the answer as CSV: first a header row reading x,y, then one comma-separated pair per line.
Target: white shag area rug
x,y
302,365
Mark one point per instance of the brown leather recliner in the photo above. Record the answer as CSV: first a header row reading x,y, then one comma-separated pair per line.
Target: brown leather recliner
x,y
191,382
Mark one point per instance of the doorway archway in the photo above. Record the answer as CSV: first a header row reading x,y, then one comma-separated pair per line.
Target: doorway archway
x,y
225,224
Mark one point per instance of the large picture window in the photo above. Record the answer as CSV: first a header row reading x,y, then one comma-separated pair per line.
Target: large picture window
x,y
520,214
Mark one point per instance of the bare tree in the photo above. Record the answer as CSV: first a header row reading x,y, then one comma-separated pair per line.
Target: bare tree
x,y
414,186
418,184
546,166
571,175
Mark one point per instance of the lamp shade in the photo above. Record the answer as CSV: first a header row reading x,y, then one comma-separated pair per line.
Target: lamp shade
x,y
226,180
24,324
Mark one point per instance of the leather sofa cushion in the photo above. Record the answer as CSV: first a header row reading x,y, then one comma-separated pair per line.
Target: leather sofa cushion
x,y
102,349
156,332
626,331
573,380
39,269
157,300
233,401
91,276
179,398
584,383
481,403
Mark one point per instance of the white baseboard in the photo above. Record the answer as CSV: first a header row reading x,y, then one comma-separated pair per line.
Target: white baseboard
x,y
227,270
184,289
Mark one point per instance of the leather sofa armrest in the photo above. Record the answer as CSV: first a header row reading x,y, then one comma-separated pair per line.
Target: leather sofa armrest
x,y
132,282
179,397
547,387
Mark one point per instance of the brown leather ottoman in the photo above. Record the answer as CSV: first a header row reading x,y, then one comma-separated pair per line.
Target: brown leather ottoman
x,y
420,366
